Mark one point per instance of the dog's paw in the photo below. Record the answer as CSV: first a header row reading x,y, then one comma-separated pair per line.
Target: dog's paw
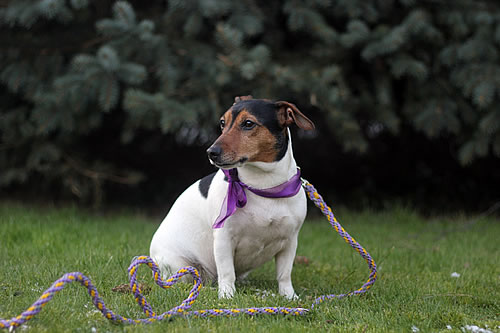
x,y
289,294
226,291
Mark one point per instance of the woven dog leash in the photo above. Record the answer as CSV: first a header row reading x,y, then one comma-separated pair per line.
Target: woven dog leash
x,y
183,308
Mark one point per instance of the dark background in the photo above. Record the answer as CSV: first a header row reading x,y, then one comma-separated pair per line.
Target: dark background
x,y
114,103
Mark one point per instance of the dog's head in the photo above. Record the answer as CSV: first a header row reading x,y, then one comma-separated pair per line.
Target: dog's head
x,y
255,130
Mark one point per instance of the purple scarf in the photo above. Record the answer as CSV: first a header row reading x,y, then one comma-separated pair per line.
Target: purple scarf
x,y
236,197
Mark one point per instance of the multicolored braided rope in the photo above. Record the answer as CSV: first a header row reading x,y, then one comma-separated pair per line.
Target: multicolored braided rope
x,y
327,211
183,308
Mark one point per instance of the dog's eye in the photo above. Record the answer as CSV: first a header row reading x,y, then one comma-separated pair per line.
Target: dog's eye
x,y
248,124
222,123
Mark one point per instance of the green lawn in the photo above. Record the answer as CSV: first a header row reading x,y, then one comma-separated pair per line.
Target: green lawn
x,y
415,257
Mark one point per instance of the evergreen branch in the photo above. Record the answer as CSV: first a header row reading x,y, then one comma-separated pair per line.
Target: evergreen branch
x,y
53,44
13,145
130,179
463,5
225,59
353,60
95,41
454,95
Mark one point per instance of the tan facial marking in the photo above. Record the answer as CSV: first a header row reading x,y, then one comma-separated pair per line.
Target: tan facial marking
x,y
263,147
227,117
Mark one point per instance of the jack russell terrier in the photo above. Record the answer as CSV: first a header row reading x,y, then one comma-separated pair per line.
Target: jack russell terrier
x,y
251,210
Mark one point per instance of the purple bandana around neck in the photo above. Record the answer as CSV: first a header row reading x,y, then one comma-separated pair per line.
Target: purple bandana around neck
x,y
236,197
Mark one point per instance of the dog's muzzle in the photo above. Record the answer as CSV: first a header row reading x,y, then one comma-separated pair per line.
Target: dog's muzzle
x,y
214,154
217,158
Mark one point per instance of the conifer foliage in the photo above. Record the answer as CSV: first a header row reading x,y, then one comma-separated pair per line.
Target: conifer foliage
x,y
73,68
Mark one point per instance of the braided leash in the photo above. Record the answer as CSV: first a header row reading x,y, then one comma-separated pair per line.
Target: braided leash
x,y
183,308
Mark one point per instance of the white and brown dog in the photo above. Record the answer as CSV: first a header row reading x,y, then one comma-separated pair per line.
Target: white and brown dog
x,y
240,217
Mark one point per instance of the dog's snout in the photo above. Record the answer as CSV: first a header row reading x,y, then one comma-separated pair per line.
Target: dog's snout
x,y
214,152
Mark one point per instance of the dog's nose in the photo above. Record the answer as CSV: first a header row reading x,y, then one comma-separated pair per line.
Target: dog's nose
x,y
214,152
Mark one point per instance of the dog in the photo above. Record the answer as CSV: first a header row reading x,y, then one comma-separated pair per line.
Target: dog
x,y
227,224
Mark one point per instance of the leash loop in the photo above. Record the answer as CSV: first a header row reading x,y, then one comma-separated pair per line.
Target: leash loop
x,y
317,199
185,306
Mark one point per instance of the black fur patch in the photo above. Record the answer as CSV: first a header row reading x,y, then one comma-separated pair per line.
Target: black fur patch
x,y
204,184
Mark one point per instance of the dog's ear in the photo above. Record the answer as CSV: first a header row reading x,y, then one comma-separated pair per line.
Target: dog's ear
x,y
242,98
288,114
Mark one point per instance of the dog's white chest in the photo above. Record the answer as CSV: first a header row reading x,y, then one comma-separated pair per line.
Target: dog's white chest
x,y
263,228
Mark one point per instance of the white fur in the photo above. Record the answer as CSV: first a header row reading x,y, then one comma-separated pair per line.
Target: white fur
x,y
265,228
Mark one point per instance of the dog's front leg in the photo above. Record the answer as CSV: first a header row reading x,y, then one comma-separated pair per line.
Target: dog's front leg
x,y
223,253
284,263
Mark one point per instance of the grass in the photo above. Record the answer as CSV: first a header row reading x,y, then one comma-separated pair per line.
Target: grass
x,y
415,256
